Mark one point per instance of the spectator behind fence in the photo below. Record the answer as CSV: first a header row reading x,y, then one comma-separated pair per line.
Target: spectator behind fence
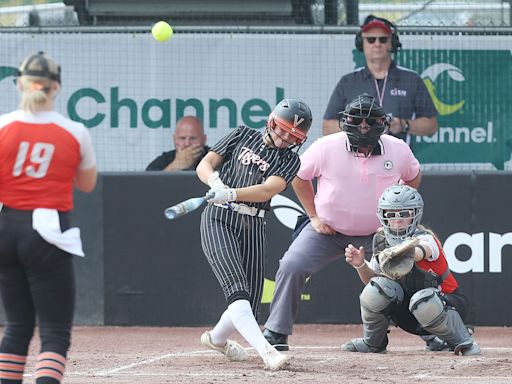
x,y
400,91
189,143
43,155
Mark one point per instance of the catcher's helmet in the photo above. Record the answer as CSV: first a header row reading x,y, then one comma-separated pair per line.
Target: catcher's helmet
x,y
292,116
364,107
399,202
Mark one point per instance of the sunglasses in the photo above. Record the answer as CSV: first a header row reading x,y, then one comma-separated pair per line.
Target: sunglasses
x,y
371,121
373,39
399,214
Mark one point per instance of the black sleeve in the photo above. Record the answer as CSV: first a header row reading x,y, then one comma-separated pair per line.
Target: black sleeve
x,y
160,162
287,168
227,144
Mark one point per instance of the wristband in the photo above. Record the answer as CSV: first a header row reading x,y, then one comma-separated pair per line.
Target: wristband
x,y
405,127
361,266
422,250
232,194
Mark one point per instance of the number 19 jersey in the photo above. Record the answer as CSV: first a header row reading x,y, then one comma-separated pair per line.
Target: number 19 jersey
x,y
39,157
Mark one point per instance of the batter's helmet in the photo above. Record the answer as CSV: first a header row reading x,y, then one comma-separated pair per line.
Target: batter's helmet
x,y
292,116
399,202
364,107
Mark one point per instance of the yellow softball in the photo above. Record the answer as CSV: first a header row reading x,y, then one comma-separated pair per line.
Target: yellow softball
x,y
162,31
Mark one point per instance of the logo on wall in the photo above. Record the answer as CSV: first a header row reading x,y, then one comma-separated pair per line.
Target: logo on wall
x,y
286,210
470,89
429,77
6,72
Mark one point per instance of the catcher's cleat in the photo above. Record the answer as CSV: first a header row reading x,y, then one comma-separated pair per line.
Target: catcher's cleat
x,y
358,345
437,344
274,360
232,350
278,340
472,349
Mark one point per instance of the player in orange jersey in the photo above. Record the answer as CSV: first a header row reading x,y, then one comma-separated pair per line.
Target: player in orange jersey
x,y
43,155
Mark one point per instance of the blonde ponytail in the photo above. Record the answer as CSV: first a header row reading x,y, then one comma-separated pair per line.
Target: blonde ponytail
x,y
35,94
39,76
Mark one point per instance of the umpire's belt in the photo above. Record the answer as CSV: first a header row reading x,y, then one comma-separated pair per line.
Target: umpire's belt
x,y
243,209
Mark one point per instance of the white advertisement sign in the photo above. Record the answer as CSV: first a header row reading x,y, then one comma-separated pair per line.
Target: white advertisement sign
x,y
129,90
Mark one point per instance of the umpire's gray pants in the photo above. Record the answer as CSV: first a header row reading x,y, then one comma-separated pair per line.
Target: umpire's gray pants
x,y
309,253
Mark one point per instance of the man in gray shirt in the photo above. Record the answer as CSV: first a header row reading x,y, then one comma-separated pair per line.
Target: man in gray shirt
x,y
400,91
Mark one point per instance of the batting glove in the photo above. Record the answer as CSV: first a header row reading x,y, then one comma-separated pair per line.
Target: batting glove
x,y
221,196
215,182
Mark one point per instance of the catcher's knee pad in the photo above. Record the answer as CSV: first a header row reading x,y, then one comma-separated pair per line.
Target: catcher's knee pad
x,y
380,293
426,306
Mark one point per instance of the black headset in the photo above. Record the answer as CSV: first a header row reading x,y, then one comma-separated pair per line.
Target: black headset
x,y
395,41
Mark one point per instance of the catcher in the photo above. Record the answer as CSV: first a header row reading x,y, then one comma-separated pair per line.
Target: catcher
x,y
408,281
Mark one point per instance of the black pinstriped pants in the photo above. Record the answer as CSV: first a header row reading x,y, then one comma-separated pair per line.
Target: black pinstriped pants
x,y
234,246
36,279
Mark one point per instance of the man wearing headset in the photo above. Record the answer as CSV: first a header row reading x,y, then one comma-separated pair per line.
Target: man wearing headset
x,y
400,91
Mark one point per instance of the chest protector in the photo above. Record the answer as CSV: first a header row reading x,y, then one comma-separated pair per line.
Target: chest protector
x,y
417,279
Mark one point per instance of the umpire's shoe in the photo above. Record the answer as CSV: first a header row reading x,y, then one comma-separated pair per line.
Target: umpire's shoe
x,y
278,340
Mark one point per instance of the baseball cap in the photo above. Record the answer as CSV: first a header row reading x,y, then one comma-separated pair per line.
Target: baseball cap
x,y
40,65
376,23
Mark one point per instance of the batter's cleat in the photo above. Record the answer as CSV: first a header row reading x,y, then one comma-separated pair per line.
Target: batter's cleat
x,y
358,345
275,360
278,340
232,350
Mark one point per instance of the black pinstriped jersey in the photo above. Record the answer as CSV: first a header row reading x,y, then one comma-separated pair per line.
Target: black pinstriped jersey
x,y
248,161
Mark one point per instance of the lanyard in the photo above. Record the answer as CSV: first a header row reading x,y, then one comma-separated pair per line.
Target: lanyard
x,y
380,95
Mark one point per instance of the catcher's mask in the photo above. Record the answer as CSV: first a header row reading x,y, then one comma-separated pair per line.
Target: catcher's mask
x,y
364,107
399,202
292,116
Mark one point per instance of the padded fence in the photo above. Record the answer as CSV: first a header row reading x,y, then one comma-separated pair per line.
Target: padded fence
x,y
141,269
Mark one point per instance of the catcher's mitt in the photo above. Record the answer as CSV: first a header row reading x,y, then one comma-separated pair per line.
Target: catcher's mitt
x,y
398,260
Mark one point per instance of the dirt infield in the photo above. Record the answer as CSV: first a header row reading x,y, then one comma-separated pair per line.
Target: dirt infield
x,y
130,355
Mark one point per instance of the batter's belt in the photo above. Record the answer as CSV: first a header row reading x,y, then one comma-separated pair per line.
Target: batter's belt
x,y
243,209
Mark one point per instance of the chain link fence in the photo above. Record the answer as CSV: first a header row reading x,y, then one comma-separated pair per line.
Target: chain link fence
x,y
230,64
415,13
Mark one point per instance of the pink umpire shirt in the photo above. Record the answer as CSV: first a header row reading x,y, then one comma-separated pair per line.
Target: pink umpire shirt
x,y
349,187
